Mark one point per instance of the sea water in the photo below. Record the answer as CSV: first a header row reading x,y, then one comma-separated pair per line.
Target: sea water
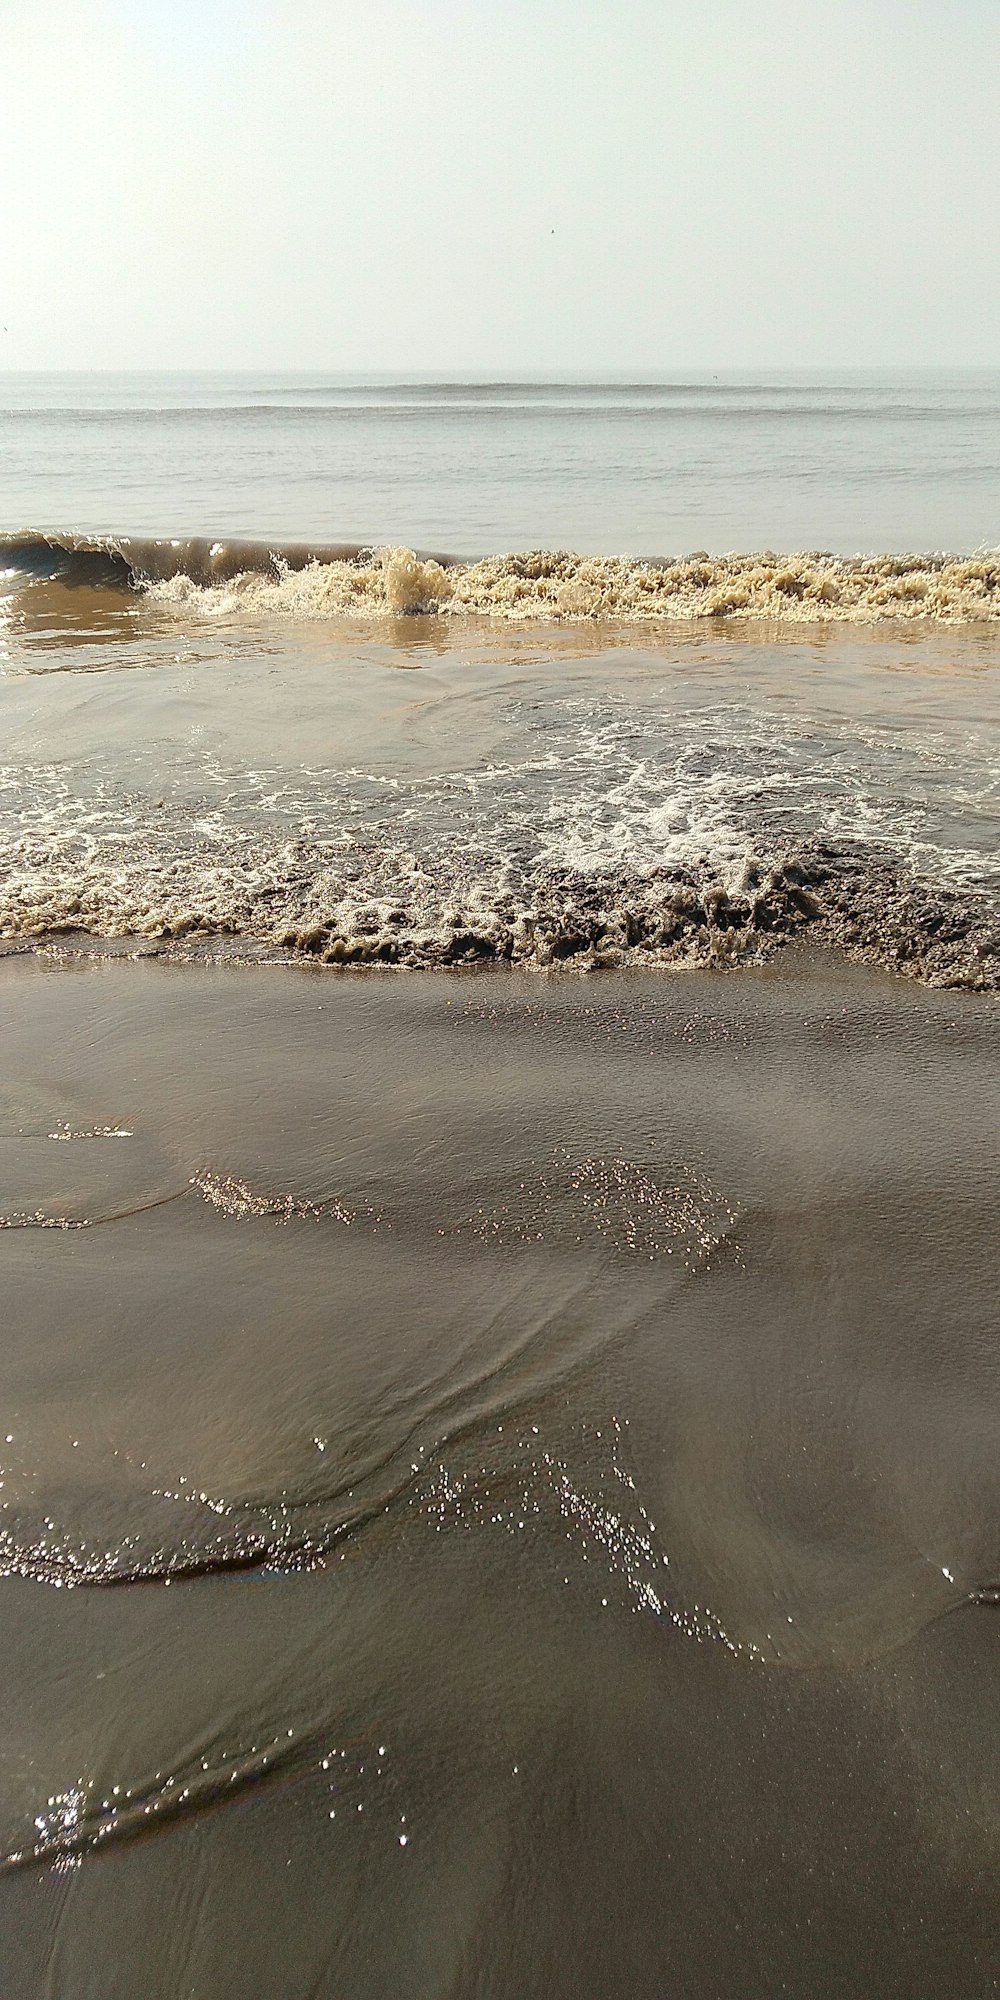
x,y
847,462
499,1388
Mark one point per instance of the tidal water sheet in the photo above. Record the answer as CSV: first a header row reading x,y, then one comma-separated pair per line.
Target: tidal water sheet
x,y
499,1482
499,1385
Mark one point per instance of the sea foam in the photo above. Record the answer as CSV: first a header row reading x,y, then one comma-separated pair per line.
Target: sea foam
x,y
551,586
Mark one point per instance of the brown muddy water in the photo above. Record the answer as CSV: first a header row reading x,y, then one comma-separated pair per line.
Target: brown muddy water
x,y
500,1488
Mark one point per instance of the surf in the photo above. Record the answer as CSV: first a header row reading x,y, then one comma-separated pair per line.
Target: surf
x,y
306,580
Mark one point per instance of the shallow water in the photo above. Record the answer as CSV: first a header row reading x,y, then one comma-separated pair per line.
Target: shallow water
x,y
427,791
496,1473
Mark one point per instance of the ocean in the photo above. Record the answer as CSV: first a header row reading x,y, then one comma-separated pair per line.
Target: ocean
x,y
499,952
845,461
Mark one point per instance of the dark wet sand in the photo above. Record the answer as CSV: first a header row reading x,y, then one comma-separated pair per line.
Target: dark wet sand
x,y
496,1474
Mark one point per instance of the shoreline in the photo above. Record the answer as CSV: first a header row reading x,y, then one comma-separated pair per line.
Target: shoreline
x,y
862,907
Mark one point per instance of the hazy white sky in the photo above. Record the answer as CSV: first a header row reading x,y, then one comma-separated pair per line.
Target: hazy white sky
x,y
499,184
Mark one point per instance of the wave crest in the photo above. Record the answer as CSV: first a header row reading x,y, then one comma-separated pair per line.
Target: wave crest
x,y
310,581
556,587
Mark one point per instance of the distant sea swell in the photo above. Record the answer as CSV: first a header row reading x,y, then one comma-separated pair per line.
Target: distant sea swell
x,y
305,581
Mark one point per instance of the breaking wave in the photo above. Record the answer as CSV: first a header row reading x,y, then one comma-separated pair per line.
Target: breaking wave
x,y
313,581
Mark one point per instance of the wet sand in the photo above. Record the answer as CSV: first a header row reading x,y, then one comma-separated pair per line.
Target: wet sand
x,y
500,1486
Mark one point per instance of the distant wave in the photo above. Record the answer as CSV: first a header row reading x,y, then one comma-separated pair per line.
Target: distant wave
x,y
317,581
682,407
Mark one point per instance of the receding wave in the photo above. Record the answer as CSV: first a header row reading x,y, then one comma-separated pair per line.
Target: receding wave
x,y
382,909
317,581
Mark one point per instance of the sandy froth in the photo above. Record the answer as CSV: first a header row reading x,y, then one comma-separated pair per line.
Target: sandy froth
x,y
543,585
298,905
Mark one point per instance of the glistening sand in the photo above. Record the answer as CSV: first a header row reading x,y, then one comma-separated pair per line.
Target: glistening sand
x,y
518,1455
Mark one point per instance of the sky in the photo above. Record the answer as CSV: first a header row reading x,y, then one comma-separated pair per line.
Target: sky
x,y
499,185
